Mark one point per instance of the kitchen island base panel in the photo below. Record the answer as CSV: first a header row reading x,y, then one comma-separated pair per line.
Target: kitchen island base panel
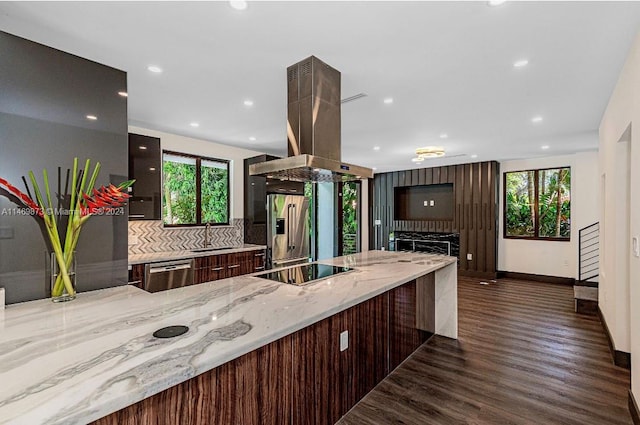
x,y
252,389
446,301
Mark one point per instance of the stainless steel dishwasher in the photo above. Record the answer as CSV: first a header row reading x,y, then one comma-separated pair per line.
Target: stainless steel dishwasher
x,y
168,275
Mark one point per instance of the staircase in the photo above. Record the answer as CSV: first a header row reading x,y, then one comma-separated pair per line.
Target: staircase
x,y
585,289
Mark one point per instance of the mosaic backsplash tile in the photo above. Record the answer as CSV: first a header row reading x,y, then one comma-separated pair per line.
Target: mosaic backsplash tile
x,y
152,236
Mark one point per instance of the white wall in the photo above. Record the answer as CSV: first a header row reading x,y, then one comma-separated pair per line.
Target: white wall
x,y
618,299
193,146
553,258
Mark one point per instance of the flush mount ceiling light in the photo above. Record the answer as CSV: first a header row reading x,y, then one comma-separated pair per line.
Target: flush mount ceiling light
x,y
155,69
238,4
545,147
474,156
252,139
444,135
536,119
388,100
194,124
496,2
521,63
248,102
376,148
428,152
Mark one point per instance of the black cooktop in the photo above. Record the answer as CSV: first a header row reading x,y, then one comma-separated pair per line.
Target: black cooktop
x,y
304,273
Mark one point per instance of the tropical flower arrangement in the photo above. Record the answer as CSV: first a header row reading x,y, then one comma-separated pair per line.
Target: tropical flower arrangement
x,y
83,202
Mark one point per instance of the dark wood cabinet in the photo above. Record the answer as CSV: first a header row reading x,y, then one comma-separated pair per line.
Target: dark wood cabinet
x,y
145,166
211,267
221,266
259,261
136,275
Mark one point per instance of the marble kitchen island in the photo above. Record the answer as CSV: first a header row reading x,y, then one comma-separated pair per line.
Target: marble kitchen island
x,y
78,362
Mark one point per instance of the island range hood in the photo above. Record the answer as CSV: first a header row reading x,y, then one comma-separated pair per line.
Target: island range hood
x,y
313,129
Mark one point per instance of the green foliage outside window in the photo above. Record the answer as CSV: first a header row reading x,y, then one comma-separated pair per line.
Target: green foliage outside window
x,y
539,198
349,217
181,198
215,193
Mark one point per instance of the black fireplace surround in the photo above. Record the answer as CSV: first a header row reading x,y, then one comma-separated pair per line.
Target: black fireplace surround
x,y
429,242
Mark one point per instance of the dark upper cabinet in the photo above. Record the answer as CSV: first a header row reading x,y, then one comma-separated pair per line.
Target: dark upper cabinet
x,y
146,168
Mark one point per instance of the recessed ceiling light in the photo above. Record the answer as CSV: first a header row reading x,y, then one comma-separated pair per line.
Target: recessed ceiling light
x,y
495,2
253,139
376,148
155,69
123,93
545,147
474,156
520,63
536,119
248,102
194,124
92,117
388,100
444,135
144,148
238,4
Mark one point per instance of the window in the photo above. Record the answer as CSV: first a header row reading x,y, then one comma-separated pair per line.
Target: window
x,y
349,236
537,204
196,190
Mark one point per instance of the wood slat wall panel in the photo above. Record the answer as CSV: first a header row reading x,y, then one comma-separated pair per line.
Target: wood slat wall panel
x,y
475,210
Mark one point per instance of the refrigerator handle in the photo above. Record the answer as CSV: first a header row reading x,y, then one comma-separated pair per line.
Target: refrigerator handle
x,y
295,216
289,226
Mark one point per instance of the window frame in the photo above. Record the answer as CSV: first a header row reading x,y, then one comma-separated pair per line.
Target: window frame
x,y
536,224
199,160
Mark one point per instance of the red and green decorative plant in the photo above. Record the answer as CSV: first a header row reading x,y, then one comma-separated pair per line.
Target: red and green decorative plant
x,y
84,202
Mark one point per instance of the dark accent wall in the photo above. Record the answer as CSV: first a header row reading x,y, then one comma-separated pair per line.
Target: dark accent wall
x,y
45,96
475,217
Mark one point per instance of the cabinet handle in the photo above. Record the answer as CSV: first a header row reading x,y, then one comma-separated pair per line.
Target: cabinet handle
x,y
217,269
234,266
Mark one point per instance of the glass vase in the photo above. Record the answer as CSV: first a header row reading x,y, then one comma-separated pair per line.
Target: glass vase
x,y
62,291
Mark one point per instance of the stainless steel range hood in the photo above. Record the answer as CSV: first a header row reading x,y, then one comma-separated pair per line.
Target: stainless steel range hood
x,y
313,129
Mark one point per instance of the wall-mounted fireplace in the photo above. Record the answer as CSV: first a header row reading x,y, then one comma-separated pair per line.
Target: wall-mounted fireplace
x,y
429,242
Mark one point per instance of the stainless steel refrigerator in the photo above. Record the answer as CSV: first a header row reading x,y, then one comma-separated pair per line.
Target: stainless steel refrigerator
x,y
287,230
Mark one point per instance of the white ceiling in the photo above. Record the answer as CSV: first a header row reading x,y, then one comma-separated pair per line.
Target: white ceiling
x,y
447,65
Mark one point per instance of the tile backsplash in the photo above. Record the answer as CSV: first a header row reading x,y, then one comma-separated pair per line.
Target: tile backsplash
x,y
151,236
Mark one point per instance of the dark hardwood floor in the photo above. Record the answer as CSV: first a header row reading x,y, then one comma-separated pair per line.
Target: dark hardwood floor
x,y
523,357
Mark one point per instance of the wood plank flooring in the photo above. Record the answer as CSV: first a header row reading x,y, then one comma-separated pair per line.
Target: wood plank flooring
x,y
523,357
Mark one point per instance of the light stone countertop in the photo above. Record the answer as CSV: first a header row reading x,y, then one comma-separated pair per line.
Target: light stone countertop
x,y
75,362
153,257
